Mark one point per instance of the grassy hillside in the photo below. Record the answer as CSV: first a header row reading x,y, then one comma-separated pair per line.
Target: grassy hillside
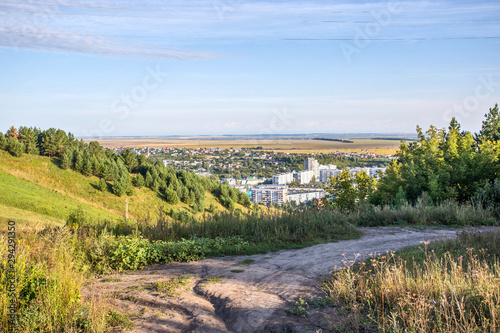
x,y
34,188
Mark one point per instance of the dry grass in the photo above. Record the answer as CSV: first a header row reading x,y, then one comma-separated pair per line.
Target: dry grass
x,y
288,146
440,294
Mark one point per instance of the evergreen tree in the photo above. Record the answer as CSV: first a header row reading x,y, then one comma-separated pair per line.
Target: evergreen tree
x,y
29,137
14,147
139,181
103,186
212,209
129,159
78,160
490,130
87,166
67,160
3,141
149,180
122,183
171,196
13,133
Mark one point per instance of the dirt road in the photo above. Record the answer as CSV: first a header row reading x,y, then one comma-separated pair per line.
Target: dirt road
x,y
221,296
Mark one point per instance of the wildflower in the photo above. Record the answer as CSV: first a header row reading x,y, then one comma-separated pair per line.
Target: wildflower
x,y
461,257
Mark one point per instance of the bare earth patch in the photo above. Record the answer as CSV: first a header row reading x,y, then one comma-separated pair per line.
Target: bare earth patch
x,y
218,295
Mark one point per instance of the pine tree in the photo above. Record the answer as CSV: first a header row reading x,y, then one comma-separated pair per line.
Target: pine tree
x,y
103,186
87,166
3,141
138,181
149,180
171,196
67,160
14,147
78,158
121,183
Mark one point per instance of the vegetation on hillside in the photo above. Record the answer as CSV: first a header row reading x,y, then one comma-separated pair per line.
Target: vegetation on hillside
x,y
452,165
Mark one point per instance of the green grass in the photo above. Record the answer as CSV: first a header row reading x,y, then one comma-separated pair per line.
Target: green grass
x,y
25,217
111,280
237,270
169,288
25,197
245,262
215,279
52,193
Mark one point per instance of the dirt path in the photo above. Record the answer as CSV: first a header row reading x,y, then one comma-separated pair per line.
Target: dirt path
x,y
220,296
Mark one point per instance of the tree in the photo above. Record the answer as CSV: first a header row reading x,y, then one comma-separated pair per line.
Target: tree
x,y
490,130
121,183
54,142
103,186
14,147
129,159
29,137
13,133
171,196
78,160
212,209
149,180
343,191
365,185
67,160
138,181
3,141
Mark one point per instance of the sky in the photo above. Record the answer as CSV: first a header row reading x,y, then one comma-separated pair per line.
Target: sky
x,y
215,67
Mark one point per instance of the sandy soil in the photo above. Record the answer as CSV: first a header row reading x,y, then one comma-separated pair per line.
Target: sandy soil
x,y
222,296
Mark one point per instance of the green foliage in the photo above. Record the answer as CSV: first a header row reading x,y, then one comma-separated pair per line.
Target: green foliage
x,y
102,185
67,160
446,165
489,196
490,130
3,141
138,181
29,137
349,191
14,147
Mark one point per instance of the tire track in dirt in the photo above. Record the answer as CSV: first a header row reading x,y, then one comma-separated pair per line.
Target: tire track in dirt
x,y
224,297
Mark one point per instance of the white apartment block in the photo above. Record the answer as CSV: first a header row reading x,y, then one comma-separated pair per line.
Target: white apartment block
x,y
325,174
304,177
283,178
269,195
299,196
311,164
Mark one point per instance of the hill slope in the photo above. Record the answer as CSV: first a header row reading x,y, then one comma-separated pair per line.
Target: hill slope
x,y
34,188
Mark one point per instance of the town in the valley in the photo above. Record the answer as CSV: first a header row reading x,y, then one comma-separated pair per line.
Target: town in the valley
x,y
270,178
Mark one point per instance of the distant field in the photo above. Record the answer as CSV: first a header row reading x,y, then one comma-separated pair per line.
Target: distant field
x,y
297,146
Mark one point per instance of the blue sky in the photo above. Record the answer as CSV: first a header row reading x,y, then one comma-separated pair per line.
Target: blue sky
x,y
111,68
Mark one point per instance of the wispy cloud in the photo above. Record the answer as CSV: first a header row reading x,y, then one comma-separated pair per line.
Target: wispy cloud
x,y
216,19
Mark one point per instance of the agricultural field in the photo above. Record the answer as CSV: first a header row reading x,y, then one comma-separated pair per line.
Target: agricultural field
x,y
281,145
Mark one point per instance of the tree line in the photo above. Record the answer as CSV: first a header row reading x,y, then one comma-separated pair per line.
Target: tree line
x,y
441,165
120,173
